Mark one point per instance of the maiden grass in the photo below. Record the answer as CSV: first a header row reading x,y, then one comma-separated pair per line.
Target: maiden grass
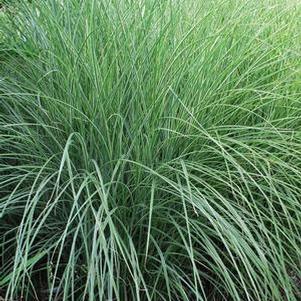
x,y
150,150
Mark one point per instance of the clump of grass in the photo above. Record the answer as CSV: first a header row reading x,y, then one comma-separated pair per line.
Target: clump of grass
x,y
150,150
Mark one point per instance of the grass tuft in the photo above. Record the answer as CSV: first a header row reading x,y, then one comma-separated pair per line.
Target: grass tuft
x,y
150,150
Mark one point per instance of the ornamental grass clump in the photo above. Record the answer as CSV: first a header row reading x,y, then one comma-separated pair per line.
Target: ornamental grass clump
x,y
150,150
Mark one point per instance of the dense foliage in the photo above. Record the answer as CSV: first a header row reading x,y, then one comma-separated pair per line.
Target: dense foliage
x,y
150,150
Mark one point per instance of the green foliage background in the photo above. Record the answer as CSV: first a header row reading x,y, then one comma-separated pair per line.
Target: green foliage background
x,y
150,150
